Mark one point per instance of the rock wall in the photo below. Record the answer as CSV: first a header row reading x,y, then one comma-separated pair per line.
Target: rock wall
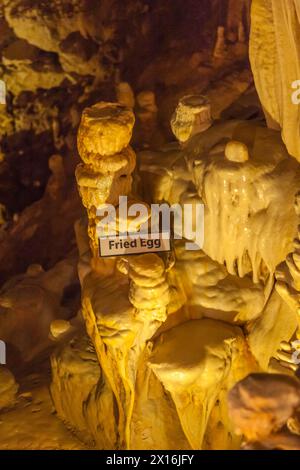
x,y
58,57
274,55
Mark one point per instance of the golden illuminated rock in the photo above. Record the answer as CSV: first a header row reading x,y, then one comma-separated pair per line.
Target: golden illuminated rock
x,y
240,197
35,298
236,152
97,188
261,406
145,347
195,361
105,129
8,388
173,333
125,322
103,139
59,327
149,290
123,303
245,203
147,121
123,161
274,51
76,368
220,47
191,116
125,95
288,273
126,222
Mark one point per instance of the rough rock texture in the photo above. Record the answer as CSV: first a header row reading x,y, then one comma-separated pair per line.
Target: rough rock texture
x,y
75,389
59,57
127,308
195,379
46,225
32,424
30,302
274,54
261,406
8,388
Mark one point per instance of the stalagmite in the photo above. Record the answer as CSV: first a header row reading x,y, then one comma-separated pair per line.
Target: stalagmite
x,y
195,379
220,48
146,112
241,33
124,302
125,94
180,335
191,116
249,226
172,324
116,123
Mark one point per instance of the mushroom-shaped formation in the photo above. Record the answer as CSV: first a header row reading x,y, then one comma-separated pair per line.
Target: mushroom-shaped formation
x,y
192,116
107,179
105,129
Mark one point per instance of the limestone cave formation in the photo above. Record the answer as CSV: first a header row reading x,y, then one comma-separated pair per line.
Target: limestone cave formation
x,y
111,341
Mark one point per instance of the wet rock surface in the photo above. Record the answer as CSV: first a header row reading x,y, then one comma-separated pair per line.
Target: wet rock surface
x,y
57,58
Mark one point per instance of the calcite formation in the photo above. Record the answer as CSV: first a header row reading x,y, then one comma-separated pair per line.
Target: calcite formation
x,y
60,56
195,348
8,388
103,139
125,94
191,116
146,112
115,123
118,329
232,153
265,410
29,303
274,52
174,327
219,50
195,379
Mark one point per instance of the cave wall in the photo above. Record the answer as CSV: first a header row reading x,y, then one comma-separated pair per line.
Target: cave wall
x,y
56,58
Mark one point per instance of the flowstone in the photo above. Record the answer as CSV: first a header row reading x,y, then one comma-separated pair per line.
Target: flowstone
x,y
171,335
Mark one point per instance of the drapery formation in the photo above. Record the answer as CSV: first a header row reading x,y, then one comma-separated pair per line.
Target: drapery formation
x,y
274,56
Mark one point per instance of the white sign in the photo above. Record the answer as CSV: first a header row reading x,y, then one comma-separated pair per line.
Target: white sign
x,y
2,92
2,353
183,220
134,244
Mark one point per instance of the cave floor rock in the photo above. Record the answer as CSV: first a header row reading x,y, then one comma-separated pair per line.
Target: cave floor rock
x,y
32,424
